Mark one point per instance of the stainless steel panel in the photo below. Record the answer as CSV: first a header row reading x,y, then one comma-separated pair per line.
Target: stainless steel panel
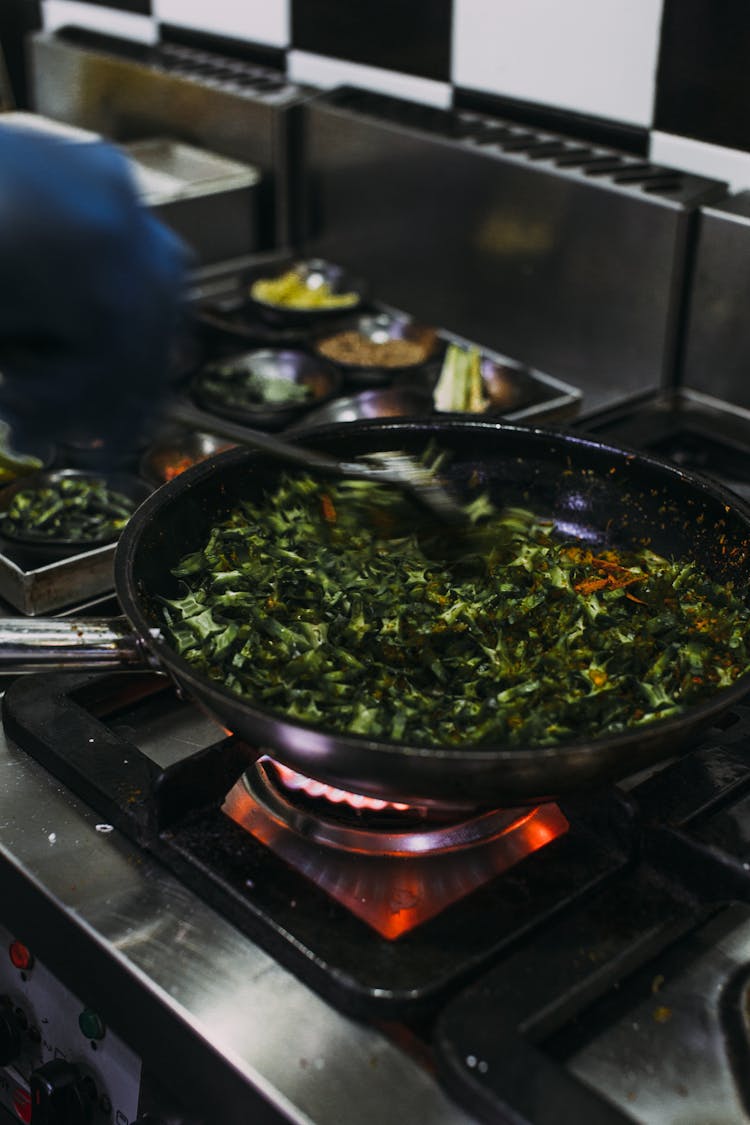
x,y
165,91
208,200
48,587
717,341
569,259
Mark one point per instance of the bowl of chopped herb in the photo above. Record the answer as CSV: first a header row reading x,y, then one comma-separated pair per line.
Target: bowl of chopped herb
x,y
266,388
64,511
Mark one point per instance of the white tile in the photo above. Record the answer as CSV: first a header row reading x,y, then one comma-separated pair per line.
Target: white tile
x,y
714,161
595,57
325,72
260,21
126,25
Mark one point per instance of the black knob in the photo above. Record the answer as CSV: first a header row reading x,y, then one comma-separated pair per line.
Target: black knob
x,y
10,1038
58,1095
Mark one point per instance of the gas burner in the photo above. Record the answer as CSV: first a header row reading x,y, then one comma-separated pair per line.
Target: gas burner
x,y
393,865
352,822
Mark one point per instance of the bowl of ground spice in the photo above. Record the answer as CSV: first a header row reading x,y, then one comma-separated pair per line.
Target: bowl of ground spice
x,y
378,344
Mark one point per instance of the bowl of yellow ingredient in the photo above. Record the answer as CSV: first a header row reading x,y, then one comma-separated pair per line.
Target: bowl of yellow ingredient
x,y
305,292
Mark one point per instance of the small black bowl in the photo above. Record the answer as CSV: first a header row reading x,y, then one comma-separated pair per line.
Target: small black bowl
x,y
374,347
234,387
176,450
378,402
314,275
134,488
505,383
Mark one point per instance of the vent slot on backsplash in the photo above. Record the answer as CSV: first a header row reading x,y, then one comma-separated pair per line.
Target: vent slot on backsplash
x,y
501,137
217,70
184,61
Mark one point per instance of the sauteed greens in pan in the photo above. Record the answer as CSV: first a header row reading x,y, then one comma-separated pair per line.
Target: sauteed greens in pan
x,y
327,603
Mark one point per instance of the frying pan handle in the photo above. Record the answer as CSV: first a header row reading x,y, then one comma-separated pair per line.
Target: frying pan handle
x,y
51,644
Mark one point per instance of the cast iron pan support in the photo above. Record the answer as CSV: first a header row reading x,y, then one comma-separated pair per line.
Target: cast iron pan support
x,y
490,1040
128,790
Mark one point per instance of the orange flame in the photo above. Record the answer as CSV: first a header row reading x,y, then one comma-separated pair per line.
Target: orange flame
x,y
300,783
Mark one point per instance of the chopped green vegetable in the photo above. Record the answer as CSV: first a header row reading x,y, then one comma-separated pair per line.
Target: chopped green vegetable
x,y
331,604
70,509
236,384
460,386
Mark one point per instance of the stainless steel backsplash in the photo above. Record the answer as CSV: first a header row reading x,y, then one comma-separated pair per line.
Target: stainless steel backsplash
x,y
128,92
716,357
570,257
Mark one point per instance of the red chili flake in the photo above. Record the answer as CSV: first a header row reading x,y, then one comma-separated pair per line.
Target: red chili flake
x,y
329,512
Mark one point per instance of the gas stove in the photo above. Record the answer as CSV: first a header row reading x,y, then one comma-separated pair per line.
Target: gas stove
x,y
581,961
248,941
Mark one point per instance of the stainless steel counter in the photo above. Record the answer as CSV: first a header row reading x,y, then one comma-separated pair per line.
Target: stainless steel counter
x,y
220,1023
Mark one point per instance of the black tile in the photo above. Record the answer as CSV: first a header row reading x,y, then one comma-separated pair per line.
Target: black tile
x,y
140,7
18,18
703,82
110,44
413,38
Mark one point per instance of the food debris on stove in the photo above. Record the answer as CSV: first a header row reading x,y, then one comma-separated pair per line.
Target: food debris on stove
x,y
332,604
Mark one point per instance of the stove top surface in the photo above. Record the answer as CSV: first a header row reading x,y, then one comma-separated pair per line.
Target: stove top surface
x,y
696,432
621,942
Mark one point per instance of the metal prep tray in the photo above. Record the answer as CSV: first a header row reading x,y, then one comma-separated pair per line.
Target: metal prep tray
x,y
209,200
50,587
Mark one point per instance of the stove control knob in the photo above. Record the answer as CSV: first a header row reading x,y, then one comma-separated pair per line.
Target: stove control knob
x,y
10,1038
58,1095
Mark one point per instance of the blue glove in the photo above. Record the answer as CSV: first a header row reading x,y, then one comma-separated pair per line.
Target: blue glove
x,y
91,294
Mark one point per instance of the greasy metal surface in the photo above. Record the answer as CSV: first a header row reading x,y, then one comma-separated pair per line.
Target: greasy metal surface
x,y
224,1021
569,263
669,1059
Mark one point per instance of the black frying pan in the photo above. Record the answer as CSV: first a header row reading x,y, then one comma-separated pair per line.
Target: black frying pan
x,y
604,495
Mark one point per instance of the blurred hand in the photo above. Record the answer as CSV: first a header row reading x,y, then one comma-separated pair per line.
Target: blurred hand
x,y
91,292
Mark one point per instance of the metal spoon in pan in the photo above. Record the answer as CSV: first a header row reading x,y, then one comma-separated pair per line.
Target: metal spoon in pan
x,y
394,467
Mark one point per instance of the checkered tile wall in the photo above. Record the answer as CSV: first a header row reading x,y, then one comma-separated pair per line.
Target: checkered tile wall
x,y
667,77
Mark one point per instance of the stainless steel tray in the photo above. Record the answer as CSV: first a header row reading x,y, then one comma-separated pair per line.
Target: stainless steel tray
x,y
209,200
53,586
